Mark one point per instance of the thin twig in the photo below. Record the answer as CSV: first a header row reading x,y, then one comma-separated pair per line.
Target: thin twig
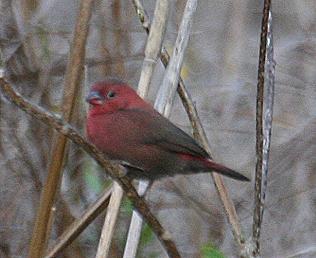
x,y
41,231
110,221
112,169
257,219
74,230
268,110
142,14
198,133
152,51
170,81
200,136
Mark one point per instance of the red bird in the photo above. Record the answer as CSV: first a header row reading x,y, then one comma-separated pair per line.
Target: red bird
x,y
128,129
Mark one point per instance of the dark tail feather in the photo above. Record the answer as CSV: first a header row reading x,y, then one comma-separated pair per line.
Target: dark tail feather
x,y
226,171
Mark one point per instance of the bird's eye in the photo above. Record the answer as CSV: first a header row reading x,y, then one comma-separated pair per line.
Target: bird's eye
x,y
111,94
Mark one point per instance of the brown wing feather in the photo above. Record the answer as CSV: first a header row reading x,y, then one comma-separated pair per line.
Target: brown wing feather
x,y
161,132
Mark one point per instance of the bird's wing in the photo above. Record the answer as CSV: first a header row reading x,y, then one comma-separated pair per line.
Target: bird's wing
x,y
161,132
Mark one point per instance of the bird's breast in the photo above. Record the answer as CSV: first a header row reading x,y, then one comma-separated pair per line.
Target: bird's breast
x,y
121,137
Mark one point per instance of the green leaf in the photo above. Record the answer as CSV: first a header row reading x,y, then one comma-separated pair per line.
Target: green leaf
x,y
44,40
127,206
146,236
91,177
209,251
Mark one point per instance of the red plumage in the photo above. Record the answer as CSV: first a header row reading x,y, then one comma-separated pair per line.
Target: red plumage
x,y
128,129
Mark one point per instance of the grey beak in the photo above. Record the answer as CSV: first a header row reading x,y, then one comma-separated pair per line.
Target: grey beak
x,y
94,97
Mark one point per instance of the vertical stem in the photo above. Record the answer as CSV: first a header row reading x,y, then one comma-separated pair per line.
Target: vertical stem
x,y
268,111
41,231
257,219
110,221
170,81
154,43
135,229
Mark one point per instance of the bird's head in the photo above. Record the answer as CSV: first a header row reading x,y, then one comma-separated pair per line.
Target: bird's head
x,y
112,95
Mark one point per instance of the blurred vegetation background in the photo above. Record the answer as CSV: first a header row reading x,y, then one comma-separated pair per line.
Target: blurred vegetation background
x,y
220,70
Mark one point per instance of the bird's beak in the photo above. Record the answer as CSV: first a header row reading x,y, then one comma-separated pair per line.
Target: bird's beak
x,y
95,98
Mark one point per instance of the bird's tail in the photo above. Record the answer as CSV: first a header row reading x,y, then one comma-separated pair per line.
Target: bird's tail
x,y
225,171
